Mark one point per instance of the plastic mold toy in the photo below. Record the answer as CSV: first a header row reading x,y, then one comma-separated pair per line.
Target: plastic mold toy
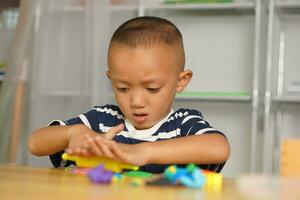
x,y
109,164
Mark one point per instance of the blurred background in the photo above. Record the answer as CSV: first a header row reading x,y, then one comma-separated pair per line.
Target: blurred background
x,y
244,55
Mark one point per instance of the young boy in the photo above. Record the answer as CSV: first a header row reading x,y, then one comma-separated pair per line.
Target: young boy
x,y
146,68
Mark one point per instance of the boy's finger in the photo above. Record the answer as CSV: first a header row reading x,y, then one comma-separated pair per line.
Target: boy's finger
x,y
114,131
104,148
119,154
85,152
94,147
76,151
69,151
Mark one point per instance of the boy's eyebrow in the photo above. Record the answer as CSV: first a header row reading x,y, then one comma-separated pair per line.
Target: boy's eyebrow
x,y
119,79
147,81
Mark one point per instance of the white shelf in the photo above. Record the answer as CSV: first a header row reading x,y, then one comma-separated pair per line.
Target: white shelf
x,y
114,8
288,6
124,7
215,98
240,6
287,99
63,94
72,9
281,111
246,6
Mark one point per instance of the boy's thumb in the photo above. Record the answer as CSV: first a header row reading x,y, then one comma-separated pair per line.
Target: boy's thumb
x,y
114,131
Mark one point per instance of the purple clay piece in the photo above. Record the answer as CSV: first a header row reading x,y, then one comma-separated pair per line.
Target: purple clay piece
x,y
100,168
100,175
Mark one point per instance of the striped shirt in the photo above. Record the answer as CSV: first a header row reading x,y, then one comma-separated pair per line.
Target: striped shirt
x,y
181,123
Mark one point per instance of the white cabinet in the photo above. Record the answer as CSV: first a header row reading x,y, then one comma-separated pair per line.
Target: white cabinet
x,y
282,94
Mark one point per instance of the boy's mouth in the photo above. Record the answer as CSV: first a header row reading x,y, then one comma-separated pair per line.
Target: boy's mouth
x,y
139,117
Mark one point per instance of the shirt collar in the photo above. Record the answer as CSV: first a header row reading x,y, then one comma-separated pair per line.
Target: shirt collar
x,y
145,133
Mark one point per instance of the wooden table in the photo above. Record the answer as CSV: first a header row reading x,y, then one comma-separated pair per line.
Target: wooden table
x,y
40,183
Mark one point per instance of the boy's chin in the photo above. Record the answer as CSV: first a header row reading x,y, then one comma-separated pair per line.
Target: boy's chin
x,y
142,126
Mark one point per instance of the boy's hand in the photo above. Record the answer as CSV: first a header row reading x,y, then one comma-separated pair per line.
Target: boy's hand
x,y
78,144
135,154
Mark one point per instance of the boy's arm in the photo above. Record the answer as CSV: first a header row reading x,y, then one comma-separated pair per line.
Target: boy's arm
x,y
200,149
52,139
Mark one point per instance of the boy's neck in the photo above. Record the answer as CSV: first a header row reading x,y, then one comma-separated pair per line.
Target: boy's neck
x,y
152,129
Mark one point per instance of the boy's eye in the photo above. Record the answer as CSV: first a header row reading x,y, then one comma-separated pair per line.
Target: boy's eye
x,y
122,89
153,90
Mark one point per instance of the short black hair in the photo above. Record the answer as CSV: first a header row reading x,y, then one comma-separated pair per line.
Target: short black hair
x,y
147,31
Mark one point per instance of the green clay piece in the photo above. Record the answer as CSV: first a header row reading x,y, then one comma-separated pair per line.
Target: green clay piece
x,y
190,167
139,174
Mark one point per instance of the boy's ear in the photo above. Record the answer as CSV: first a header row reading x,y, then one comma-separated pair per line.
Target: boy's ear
x,y
108,74
184,79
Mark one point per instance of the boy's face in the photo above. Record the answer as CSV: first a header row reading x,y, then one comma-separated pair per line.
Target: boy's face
x,y
144,81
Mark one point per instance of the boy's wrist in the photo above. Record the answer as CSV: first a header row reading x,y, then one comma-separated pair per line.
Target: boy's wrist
x,y
74,130
141,152
145,149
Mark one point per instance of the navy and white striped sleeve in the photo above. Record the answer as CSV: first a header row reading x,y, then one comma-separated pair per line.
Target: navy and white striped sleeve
x,y
194,124
89,119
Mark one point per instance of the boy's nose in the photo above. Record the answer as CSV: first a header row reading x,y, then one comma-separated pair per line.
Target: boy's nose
x,y
137,101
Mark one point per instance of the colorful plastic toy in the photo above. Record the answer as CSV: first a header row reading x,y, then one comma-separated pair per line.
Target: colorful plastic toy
x,y
109,164
191,176
213,181
136,182
118,178
100,175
